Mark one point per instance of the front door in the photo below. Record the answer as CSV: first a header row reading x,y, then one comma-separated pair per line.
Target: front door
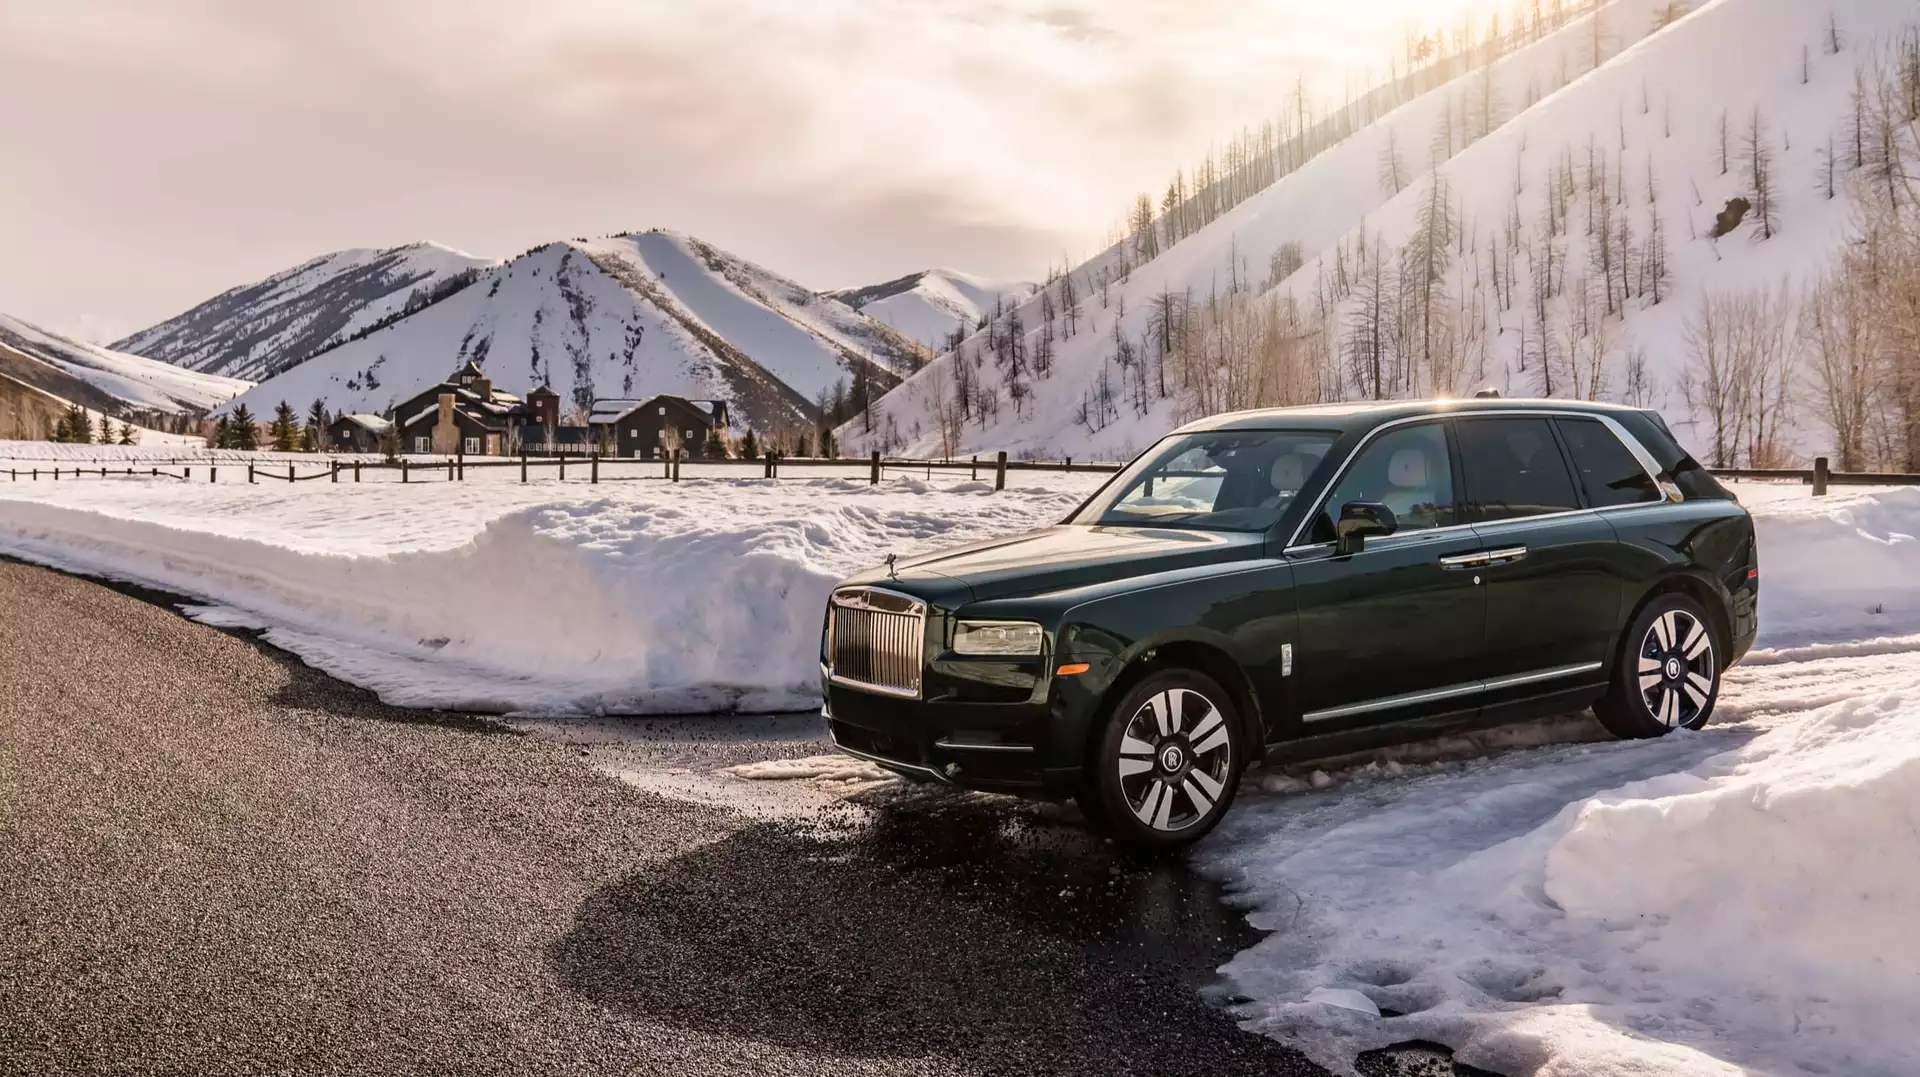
x,y
1553,574
1391,632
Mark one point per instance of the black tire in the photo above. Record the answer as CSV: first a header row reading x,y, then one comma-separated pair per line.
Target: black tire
x,y
1166,766
1667,675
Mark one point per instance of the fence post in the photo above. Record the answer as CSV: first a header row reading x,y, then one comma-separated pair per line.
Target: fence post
x,y
1820,476
249,472
460,461
333,466
156,474
676,465
775,458
593,467
1000,471
1069,463
563,467
449,469
356,471
213,474
403,471
873,474
289,474
523,465
973,474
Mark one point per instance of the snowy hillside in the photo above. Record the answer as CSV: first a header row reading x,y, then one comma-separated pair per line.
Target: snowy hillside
x,y
928,306
628,316
258,330
1559,247
104,380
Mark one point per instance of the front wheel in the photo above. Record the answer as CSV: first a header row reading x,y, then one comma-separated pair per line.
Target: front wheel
x,y
1668,674
1167,765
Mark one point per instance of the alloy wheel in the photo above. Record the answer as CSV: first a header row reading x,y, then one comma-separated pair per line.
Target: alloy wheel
x,y
1676,669
1176,756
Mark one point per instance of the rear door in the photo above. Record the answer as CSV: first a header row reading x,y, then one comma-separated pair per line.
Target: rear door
x,y
1389,633
1553,578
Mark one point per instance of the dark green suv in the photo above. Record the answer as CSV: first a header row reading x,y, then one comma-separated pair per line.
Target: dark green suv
x,y
1302,583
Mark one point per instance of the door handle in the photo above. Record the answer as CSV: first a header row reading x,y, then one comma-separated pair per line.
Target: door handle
x,y
1502,556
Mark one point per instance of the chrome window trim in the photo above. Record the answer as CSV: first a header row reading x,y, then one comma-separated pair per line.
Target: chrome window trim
x,y
1670,493
1453,691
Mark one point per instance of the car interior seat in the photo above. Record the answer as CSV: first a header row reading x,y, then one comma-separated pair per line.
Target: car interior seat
x,y
1411,494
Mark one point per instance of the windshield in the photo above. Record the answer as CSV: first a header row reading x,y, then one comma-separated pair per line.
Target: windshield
x,y
1226,480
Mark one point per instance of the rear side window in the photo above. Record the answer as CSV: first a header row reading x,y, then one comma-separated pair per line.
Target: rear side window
x,y
1652,433
1609,472
1514,469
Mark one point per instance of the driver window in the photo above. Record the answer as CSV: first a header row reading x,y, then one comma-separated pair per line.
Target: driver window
x,y
1408,470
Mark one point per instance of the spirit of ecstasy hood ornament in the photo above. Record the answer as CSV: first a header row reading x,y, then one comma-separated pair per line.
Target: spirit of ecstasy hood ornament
x,y
892,573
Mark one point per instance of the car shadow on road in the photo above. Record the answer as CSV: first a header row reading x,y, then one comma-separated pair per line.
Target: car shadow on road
x,y
970,930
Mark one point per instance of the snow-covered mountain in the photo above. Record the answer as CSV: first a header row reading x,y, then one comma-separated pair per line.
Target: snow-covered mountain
x,y
1541,224
104,380
629,316
929,305
261,329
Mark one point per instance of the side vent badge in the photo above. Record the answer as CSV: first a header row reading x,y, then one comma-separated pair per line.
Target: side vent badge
x,y
1286,659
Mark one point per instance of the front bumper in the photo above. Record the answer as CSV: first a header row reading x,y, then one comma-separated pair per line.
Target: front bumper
x,y
996,747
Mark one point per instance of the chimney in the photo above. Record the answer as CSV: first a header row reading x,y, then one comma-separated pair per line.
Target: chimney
x,y
446,410
484,386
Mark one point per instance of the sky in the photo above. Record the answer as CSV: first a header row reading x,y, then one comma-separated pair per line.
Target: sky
x,y
156,152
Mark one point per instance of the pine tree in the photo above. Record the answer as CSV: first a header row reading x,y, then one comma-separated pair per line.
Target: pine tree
x,y
317,422
105,436
749,446
716,445
127,436
390,444
223,434
242,432
285,429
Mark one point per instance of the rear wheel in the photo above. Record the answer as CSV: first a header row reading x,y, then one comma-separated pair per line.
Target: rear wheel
x,y
1668,674
1167,765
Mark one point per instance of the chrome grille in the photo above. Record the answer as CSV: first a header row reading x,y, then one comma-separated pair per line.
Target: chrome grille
x,y
876,640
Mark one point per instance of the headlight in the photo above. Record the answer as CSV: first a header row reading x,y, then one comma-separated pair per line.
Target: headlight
x,y
997,638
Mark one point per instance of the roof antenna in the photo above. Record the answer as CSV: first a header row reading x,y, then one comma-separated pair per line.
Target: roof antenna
x,y
1489,393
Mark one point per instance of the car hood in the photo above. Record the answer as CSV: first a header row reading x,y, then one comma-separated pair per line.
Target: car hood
x,y
1059,558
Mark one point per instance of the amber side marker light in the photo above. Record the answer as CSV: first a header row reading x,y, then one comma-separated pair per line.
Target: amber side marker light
x,y
1072,669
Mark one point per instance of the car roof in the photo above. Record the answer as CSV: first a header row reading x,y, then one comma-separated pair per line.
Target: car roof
x,y
1369,414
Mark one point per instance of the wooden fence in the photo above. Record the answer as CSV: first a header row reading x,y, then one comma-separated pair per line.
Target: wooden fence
x,y
455,468
876,466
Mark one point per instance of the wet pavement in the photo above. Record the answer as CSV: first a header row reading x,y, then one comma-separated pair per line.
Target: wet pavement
x,y
325,883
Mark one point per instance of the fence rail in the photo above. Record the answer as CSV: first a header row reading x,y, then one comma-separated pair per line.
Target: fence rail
x,y
454,469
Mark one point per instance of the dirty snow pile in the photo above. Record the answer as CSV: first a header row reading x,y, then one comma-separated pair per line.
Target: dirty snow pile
x,y
1740,900
632,597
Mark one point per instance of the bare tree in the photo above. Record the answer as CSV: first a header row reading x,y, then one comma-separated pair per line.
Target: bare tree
x,y
1393,167
1756,161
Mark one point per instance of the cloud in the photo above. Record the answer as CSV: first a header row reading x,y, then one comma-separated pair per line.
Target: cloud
x,y
817,136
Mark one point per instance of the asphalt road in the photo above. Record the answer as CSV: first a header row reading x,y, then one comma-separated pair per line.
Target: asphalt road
x,y
216,860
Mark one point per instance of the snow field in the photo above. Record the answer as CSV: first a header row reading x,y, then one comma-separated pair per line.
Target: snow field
x,y
1735,900
646,598
1732,901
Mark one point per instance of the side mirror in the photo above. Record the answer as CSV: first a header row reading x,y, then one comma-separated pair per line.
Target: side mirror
x,y
1359,521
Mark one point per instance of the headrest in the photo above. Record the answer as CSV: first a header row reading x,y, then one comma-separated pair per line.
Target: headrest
x,y
1408,469
1289,472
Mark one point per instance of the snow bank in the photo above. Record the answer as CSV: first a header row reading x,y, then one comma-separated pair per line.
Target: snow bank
x,y
1733,901
701,596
